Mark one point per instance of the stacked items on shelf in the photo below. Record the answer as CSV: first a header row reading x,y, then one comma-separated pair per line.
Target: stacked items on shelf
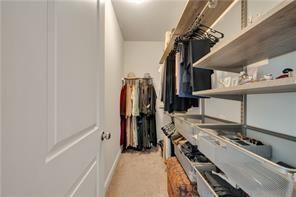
x,y
193,154
137,111
252,145
254,173
190,126
218,142
193,162
248,83
190,157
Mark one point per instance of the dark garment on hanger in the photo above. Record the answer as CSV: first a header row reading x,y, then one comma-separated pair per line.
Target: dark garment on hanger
x,y
123,131
200,78
140,132
191,78
146,121
144,102
146,131
151,111
151,108
122,116
185,72
152,129
174,103
163,85
169,89
123,100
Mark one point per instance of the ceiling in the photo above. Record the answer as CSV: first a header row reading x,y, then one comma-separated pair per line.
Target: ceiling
x,y
149,20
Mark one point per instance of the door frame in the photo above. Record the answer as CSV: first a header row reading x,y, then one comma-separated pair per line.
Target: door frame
x,y
100,98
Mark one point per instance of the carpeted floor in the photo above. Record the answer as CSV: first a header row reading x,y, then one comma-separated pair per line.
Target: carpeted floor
x,y
139,174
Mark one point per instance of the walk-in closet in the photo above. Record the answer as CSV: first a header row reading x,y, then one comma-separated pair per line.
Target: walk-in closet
x,y
148,98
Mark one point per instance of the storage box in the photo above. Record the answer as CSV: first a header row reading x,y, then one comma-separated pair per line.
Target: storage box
x,y
189,166
253,173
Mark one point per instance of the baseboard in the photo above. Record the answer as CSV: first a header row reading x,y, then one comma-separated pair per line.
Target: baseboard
x,y
111,172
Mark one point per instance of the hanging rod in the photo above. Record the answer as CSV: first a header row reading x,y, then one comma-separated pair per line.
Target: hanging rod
x,y
137,78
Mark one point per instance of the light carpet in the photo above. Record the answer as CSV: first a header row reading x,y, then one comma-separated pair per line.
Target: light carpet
x,y
139,174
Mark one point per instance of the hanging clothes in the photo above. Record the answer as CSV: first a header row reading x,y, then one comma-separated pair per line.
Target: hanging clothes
x,y
143,99
129,105
200,78
192,78
135,99
180,78
177,68
172,102
164,83
151,112
128,132
185,72
135,131
123,116
138,109
148,110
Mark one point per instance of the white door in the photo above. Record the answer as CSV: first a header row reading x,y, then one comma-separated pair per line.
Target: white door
x,y
50,135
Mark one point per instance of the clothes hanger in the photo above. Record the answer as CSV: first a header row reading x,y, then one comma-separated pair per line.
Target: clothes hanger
x,y
199,32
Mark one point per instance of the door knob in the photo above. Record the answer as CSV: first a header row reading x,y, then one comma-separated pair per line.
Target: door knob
x,y
105,136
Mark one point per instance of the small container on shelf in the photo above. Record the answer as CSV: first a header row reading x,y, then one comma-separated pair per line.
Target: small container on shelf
x,y
189,125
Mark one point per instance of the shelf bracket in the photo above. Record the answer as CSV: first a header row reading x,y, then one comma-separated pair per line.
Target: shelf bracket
x,y
244,14
202,109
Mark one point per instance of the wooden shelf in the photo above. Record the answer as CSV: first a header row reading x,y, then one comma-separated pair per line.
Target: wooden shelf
x,y
272,35
194,9
261,87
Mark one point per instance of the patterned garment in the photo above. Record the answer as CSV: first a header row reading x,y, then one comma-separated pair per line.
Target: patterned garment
x,y
178,182
128,132
135,131
122,116
135,99
129,104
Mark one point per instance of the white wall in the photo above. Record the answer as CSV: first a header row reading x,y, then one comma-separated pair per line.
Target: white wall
x,y
276,112
113,75
220,108
101,100
0,101
143,57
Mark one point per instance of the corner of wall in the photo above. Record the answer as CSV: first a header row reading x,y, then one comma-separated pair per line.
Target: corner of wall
x,y
113,73
0,101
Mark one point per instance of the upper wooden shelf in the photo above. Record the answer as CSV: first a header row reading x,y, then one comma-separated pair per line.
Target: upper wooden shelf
x,y
261,87
194,9
272,35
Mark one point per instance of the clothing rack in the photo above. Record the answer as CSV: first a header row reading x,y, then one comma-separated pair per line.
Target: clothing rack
x,y
137,111
138,78
149,79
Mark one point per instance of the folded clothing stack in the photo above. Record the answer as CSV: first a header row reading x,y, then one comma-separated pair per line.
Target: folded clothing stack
x,y
193,153
222,187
